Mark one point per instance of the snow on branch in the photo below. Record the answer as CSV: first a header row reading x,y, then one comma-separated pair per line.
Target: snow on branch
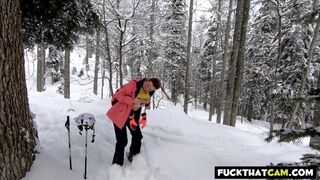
x,y
288,135
129,41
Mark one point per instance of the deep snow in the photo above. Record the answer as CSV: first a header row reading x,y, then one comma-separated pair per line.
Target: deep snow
x,y
175,146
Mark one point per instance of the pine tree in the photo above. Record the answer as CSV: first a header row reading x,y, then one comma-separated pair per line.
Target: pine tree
x,y
260,56
197,56
287,135
175,48
278,52
56,22
295,42
55,64
205,65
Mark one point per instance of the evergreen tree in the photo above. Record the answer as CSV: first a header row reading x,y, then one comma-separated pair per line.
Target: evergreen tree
x,y
283,81
55,63
296,40
205,65
175,48
198,60
260,60
287,135
56,22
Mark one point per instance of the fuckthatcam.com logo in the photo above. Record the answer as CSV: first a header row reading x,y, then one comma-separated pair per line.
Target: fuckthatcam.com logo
x,y
262,172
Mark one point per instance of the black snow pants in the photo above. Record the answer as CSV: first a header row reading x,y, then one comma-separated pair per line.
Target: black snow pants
x,y
122,139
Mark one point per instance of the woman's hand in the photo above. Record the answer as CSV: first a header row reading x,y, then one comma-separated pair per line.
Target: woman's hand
x,y
145,101
137,102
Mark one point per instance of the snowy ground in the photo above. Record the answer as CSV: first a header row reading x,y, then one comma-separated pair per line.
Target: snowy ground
x,y
175,146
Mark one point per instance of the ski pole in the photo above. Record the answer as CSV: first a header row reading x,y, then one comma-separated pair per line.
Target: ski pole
x,y
67,125
86,121
85,158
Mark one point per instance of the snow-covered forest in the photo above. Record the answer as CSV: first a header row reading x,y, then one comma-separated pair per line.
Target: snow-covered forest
x,y
240,85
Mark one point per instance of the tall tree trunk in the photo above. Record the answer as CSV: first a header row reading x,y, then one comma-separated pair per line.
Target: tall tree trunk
x,y
250,108
135,56
200,95
240,62
120,53
120,60
195,99
131,61
50,60
233,63
305,73
67,73
174,91
315,140
108,57
188,72
103,69
213,65
274,76
273,101
18,136
224,65
140,58
151,39
40,67
103,76
213,84
205,104
86,59
117,76
96,65
109,63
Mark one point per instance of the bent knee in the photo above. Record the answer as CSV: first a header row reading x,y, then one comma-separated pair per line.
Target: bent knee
x,y
137,136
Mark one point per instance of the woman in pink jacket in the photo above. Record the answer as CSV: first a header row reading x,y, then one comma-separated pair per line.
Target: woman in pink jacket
x,y
125,112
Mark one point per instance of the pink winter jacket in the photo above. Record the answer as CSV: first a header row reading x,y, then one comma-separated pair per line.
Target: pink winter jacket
x,y
120,111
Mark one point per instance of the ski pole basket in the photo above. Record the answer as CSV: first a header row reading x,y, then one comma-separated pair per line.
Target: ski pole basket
x,y
86,121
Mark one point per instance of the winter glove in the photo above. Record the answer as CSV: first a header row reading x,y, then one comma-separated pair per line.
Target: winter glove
x,y
132,123
147,106
143,120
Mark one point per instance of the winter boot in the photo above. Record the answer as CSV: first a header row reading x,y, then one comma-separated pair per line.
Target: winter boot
x,y
130,156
